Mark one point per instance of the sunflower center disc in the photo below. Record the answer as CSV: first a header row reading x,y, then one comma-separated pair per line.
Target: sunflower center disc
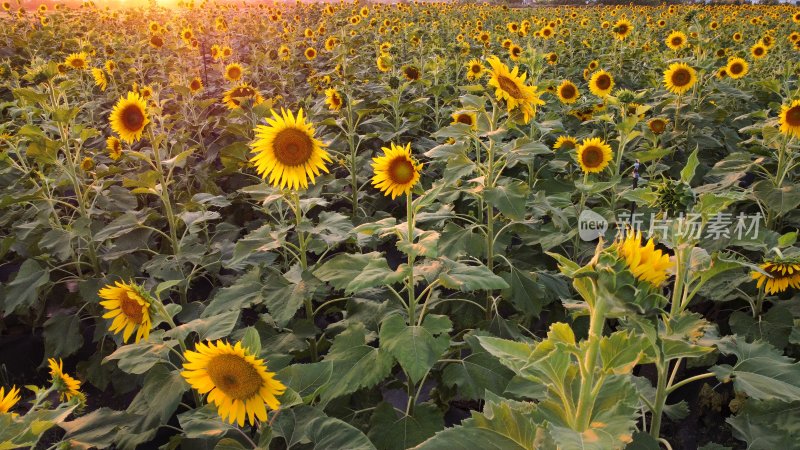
x,y
132,117
464,118
677,41
603,82
131,308
476,68
509,86
401,170
680,78
793,116
234,73
292,147
568,92
236,377
736,69
592,157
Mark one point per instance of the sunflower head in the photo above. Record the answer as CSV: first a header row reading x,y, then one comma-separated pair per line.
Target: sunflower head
x,y
593,155
601,84
8,399
243,92
384,62
510,86
287,152
622,29
645,262
467,118
676,40
566,143
657,125
237,382
67,386
782,273
114,147
679,78
790,119
396,172
234,72
129,305
310,53
333,99
758,50
196,85
411,72
77,61
736,68
129,117
475,70
567,92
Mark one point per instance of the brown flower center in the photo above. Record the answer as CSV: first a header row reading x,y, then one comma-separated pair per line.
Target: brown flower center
x,y
793,116
592,156
234,73
677,41
292,147
681,77
603,82
508,85
132,117
401,171
78,63
464,118
657,126
758,51
736,68
234,376
568,91
131,308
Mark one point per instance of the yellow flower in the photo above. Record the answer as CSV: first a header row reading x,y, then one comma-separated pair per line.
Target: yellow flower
x,y
77,61
594,155
783,275
565,142
87,164
196,85
467,118
234,97
396,172
475,70
511,87
9,399
129,117
676,40
736,68
384,62
129,306
657,125
67,386
645,262
514,52
333,99
679,78
234,72
311,53
237,382
622,29
100,79
601,84
114,147
758,50
287,151
790,119
567,92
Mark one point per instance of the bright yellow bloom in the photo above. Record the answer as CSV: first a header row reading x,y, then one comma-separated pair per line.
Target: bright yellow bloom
x,y
77,61
601,84
114,147
645,262
67,386
396,172
790,119
467,118
679,78
676,40
9,399
129,117
234,97
333,99
475,70
736,68
567,92
234,72
100,79
783,275
565,142
510,86
129,306
594,155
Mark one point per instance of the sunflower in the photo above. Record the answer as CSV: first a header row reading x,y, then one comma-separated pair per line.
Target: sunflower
x,y
110,66
565,142
567,92
594,155
551,58
236,381
311,53
129,306
287,151
657,125
67,386
384,62
679,78
758,50
396,172
736,68
601,84
676,40
8,399
330,43
411,72
622,29
234,97
129,117
514,52
114,147
156,41
234,72
196,85
468,118
77,61
186,34
645,262
475,70
333,99
511,87
87,164
100,79
546,32
782,275
737,37
284,52
790,119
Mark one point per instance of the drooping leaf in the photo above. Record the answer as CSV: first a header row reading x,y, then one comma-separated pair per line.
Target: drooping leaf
x,y
416,348
761,371
393,430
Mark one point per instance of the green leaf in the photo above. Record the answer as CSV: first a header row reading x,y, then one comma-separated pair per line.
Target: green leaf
x,y
23,291
393,430
509,199
203,423
153,406
687,173
774,327
229,444
477,372
459,276
97,429
353,272
767,425
207,328
139,357
304,423
251,341
121,225
246,291
285,294
62,336
761,371
416,348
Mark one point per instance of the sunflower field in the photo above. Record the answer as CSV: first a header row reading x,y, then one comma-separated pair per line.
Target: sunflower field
x,y
354,225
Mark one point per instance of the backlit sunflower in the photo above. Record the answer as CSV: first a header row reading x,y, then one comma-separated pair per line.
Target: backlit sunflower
x,y
594,155
236,381
784,273
196,85
679,78
622,29
234,72
657,125
129,306
8,399
284,52
234,97
311,53
511,87
67,386
758,51
100,79
736,68
77,61
601,84
129,117
396,172
790,119
287,151
467,118
333,99
475,70
566,143
645,262
156,41
384,62
567,92
114,147
676,40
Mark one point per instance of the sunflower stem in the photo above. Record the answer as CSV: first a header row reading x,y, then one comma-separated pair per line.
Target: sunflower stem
x,y
412,298
303,245
163,193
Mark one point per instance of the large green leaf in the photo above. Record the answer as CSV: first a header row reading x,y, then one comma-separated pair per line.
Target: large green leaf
x,y
139,357
463,277
767,425
353,272
509,199
303,424
244,292
23,290
477,372
62,335
416,348
97,429
393,430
